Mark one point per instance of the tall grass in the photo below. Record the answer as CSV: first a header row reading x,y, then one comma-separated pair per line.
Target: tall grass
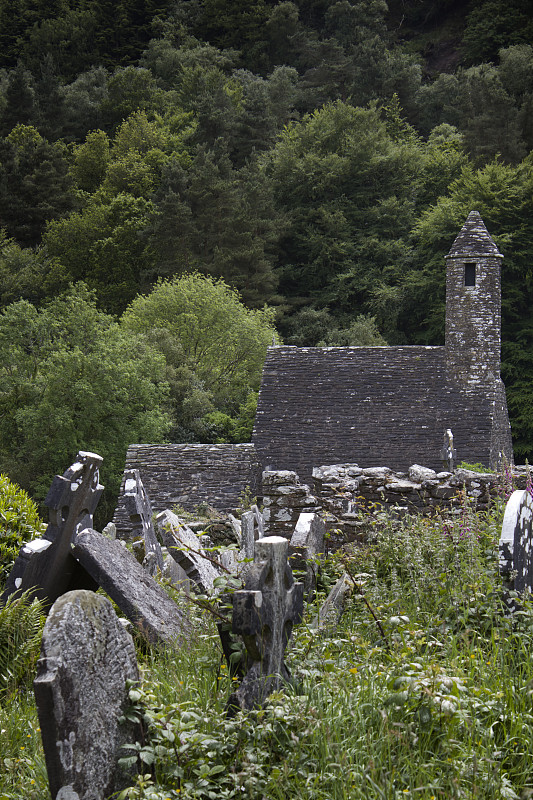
x,y
434,702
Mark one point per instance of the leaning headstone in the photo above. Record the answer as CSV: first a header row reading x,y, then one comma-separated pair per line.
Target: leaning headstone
x,y
185,547
306,547
516,542
236,528
259,519
136,593
264,614
333,606
45,566
139,510
110,530
248,533
81,691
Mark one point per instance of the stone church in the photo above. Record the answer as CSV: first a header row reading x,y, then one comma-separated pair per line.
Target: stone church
x,y
391,406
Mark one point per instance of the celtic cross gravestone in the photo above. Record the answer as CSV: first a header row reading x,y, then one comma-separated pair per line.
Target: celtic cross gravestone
x,y
45,566
264,613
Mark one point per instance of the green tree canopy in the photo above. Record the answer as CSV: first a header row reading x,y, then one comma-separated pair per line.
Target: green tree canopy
x,y
215,346
71,378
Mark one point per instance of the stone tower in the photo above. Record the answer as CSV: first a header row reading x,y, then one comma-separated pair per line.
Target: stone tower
x,y
473,308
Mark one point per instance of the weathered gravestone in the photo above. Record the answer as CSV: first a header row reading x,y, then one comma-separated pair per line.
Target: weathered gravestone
x,y
139,510
185,548
248,533
305,548
516,542
81,691
259,520
332,608
448,454
264,613
45,566
135,592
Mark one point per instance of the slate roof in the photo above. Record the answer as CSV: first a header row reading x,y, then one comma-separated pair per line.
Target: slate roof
x,y
474,240
375,406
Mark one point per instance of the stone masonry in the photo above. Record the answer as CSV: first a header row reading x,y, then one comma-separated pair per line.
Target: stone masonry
x,y
349,496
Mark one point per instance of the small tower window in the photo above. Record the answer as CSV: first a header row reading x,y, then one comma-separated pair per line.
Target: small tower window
x,y
470,274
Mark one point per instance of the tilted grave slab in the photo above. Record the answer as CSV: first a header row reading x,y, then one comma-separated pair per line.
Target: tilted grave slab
x,y
516,542
81,691
186,549
139,510
136,593
264,614
332,608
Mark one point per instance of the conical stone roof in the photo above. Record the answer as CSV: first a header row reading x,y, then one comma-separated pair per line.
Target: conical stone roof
x,y
474,240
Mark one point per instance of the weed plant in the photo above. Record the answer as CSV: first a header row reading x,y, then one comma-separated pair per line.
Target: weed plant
x,y
425,689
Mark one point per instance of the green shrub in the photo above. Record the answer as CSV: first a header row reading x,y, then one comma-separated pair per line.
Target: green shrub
x,y
19,522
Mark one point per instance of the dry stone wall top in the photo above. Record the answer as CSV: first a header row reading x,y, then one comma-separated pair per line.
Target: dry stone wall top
x,y
346,494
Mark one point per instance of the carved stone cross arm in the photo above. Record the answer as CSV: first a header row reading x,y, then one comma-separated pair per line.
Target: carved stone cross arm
x,y
45,566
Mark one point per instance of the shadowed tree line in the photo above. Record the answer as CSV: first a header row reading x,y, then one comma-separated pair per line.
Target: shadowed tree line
x,y
315,158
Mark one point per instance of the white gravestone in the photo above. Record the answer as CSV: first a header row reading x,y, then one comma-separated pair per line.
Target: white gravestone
x,y
516,542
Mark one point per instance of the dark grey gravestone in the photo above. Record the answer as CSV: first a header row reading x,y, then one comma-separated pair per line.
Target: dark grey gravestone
x,y
139,510
264,614
248,533
135,592
333,606
516,542
81,691
185,547
306,547
46,565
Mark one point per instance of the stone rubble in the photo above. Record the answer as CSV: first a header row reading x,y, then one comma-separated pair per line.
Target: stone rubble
x,y
350,498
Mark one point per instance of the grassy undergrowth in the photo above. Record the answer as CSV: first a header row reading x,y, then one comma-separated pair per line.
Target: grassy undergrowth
x,y
434,702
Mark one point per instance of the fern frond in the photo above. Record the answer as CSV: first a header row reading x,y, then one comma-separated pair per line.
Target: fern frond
x,y
21,624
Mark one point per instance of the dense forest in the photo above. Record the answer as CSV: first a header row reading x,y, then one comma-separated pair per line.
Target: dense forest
x,y
180,182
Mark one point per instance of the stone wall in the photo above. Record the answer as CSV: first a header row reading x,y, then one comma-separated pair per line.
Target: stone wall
x,y
191,474
284,499
350,496
369,405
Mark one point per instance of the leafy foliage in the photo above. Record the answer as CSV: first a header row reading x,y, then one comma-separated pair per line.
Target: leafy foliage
x,y
213,345
72,379
19,522
21,623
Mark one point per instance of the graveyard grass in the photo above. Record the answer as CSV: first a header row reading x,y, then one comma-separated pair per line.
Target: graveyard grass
x,y
434,702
